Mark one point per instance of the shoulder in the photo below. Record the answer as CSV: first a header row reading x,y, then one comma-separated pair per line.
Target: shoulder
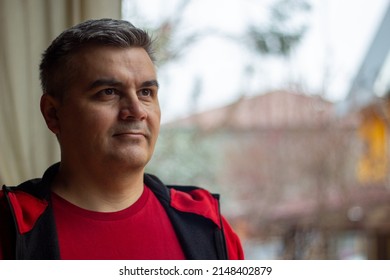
x,y
24,204
38,188
188,199
201,202
197,201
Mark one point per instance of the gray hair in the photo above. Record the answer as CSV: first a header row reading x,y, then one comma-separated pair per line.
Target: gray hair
x,y
56,69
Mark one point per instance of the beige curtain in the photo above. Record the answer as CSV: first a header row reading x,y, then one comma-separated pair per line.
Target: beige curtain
x,y
27,27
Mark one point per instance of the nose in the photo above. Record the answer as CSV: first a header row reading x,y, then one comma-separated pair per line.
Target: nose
x,y
132,108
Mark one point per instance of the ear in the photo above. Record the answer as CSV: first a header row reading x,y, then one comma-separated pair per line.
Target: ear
x,y
49,110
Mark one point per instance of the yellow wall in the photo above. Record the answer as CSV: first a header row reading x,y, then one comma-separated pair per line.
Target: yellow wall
x,y
373,164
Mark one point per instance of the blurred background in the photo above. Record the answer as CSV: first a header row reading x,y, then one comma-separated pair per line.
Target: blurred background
x,y
281,106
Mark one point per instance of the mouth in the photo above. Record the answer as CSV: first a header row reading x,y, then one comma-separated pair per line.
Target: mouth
x,y
130,134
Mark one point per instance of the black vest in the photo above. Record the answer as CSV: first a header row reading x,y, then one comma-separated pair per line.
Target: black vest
x,y
200,238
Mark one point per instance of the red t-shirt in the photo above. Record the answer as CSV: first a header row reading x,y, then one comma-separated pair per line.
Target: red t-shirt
x,y
141,232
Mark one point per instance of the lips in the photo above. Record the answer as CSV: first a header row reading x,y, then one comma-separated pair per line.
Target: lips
x,y
130,133
131,130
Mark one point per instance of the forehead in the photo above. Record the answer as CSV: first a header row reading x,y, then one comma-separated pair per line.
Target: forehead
x,y
132,64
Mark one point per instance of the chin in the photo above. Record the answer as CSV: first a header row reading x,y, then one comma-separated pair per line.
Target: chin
x,y
131,161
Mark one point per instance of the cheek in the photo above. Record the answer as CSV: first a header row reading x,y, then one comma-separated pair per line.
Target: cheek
x,y
155,119
155,115
85,124
96,126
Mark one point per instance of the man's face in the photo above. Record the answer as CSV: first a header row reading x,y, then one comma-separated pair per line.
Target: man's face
x,y
110,114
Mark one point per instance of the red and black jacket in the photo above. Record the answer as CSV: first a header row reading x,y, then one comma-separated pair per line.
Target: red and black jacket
x,y
28,231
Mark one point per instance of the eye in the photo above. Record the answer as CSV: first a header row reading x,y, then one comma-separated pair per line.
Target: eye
x,y
146,92
107,94
108,91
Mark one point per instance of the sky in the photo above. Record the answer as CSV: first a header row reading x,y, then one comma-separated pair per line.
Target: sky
x,y
325,62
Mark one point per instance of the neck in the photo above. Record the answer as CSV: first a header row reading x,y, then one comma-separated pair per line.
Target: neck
x,y
103,191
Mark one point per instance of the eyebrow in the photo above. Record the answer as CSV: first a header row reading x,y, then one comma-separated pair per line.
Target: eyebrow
x,y
104,82
113,82
151,83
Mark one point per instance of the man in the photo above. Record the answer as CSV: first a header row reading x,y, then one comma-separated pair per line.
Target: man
x,y
100,99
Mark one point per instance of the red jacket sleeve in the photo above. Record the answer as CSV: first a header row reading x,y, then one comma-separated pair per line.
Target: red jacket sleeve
x,y
233,243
